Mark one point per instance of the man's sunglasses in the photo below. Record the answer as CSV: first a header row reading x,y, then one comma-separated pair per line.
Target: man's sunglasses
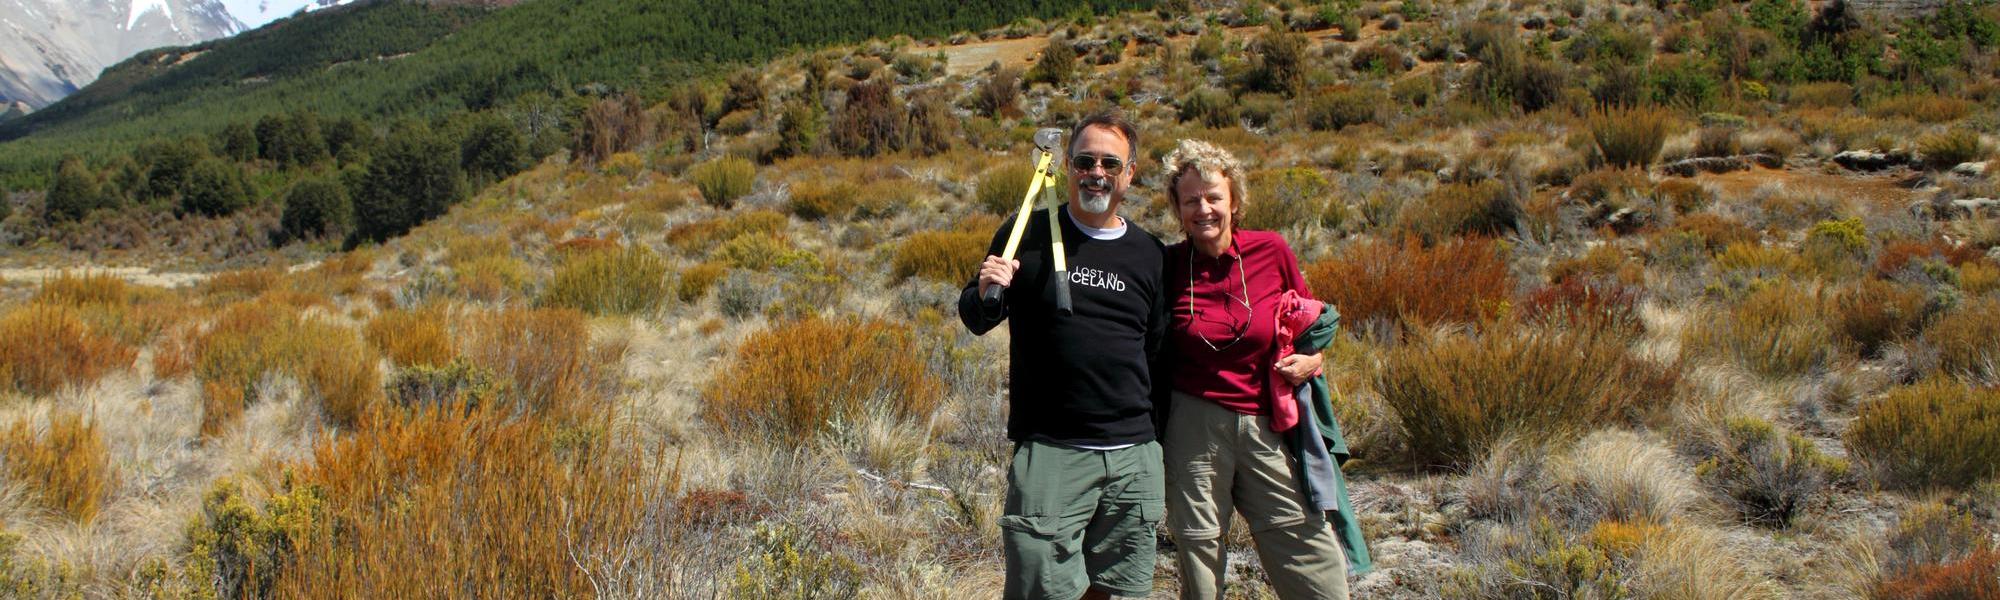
x,y
1083,163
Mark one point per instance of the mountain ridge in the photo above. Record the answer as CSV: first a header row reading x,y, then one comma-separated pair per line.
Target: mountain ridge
x,y
55,48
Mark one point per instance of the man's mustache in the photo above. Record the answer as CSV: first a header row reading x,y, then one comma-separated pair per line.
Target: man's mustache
x,y
1094,180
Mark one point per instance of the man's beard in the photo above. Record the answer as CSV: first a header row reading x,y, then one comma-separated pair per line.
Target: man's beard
x,y
1094,202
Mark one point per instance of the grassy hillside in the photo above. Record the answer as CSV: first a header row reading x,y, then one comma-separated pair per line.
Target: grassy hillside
x,y
1640,300
390,59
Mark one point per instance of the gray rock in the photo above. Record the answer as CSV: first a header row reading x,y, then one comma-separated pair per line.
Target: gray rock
x,y
1868,160
1970,169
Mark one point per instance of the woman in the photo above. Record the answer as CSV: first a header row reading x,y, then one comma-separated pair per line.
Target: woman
x,y
1232,387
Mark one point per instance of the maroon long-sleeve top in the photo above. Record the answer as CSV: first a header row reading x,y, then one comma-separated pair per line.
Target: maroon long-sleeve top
x,y
1224,369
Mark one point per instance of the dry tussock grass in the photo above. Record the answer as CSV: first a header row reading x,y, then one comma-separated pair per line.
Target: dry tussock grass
x,y
1698,563
66,462
1965,340
1626,477
792,381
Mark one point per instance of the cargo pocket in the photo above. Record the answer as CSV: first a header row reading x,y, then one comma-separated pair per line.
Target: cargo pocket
x,y
1041,560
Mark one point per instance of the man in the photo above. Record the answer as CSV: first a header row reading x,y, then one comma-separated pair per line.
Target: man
x,y
1086,486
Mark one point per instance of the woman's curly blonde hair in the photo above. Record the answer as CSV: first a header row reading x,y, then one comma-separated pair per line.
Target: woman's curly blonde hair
x,y
1207,161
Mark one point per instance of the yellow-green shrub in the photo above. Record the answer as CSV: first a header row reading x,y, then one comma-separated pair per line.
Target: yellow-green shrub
x,y
1933,434
701,237
45,347
1968,340
68,464
1455,394
1285,199
1630,137
944,256
764,253
793,380
723,180
1000,188
1777,331
620,281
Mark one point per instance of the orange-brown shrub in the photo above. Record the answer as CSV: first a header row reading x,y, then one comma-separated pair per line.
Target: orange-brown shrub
x,y
818,200
1973,577
1968,340
46,347
1897,255
697,280
1933,434
1483,208
944,256
240,284
252,339
1925,108
793,380
1580,301
1716,231
543,358
701,237
432,504
1455,394
88,288
1464,281
1870,313
409,338
68,464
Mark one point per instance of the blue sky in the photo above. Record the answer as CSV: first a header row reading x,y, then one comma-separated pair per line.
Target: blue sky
x,y
248,11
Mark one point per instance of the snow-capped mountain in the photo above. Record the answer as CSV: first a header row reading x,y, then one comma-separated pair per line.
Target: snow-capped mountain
x,y
255,13
50,48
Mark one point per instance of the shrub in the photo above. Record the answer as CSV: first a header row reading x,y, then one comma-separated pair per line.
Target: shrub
x,y
932,128
1942,151
1936,551
783,385
615,281
1455,394
46,347
251,339
788,563
1965,340
1929,435
1836,247
215,188
1000,188
1767,474
1291,199
415,179
703,236
410,338
722,181
67,463
74,192
1871,313
872,122
1718,141
452,386
950,257
743,294
1628,138
1464,281
493,148
1212,108
1971,577
1924,108
1057,64
315,208
1454,209
1777,331
801,129
611,125
1338,109
765,253
1716,232
542,359
999,96
696,281
819,200
1378,59
475,503
1281,63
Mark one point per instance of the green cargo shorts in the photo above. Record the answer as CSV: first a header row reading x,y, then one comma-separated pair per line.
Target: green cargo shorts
x,y
1082,518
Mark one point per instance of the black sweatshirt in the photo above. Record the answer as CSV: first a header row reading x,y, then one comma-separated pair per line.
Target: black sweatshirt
x,y
1085,379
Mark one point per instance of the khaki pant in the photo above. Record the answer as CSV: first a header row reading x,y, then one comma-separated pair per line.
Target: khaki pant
x,y
1219,461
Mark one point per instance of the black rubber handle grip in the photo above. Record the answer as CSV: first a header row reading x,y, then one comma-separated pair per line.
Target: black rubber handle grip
x,y
1063,306
991,299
